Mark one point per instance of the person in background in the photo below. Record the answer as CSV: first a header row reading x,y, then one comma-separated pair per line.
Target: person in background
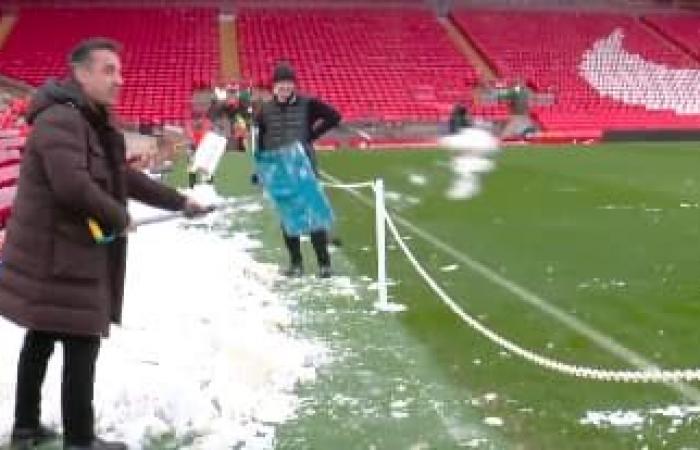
x,y
290,117
459,119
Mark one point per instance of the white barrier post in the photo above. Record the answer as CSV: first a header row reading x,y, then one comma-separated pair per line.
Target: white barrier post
x,y
380,230
382,303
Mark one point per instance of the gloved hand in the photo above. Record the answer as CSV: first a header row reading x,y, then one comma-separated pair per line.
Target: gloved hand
x,y
193,208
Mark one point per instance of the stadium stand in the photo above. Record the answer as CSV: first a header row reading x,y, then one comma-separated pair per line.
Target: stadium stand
x,y
377,63
683,29
167,53
547,48
12,137
384,64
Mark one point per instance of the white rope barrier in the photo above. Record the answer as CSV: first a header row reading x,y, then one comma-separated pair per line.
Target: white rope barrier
x,y
361,184
652,375
622,376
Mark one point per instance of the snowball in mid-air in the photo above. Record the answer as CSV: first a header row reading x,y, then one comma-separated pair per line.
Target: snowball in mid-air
x,y
472,140
464,187
468,164
472,148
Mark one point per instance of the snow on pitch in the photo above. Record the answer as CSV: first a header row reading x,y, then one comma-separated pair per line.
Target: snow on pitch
x,y
206,348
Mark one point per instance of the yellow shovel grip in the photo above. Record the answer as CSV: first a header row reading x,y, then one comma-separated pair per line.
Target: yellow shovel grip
x,y
95,230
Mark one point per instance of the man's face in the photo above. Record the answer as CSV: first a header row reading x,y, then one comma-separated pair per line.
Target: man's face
x,y
283,90
101,77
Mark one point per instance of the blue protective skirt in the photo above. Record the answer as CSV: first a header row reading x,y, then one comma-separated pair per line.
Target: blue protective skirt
x,y
288,178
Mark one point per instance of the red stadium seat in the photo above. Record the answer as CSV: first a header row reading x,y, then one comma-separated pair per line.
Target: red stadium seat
x,y
547,48
9,175
7,195
367,62
164,51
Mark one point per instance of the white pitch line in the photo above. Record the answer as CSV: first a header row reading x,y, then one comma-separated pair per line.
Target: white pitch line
x,y
603,341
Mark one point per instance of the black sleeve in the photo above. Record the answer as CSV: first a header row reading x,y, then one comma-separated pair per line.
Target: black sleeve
x,y
322,117
260,124
452,126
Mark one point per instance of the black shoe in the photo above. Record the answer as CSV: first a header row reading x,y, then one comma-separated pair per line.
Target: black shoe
x,y
28,438
325,272
293,271
98,444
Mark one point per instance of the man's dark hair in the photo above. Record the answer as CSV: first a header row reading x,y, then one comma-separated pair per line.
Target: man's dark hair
x,y
82,52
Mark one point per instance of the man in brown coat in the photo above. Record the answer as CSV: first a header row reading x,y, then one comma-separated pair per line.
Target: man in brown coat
x,y
55,279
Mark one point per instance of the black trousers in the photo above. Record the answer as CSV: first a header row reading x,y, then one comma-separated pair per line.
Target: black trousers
x,y
79,359
319,240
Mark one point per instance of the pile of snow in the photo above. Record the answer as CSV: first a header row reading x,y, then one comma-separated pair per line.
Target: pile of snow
x,y
206,349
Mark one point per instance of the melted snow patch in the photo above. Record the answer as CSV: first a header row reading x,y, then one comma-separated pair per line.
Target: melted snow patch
x,y
676,415
418,179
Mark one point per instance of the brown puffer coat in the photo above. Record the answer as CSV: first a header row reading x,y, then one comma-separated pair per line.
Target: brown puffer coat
x,y
54,276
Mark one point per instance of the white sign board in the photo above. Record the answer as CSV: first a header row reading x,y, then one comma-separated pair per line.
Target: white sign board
x,y
209,152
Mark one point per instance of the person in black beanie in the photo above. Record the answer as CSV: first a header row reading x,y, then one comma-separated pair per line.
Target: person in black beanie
x,y
287,118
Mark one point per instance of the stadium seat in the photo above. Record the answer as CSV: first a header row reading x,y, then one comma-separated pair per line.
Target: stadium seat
x,y
683,29
167,52
547,49
7,195
369,62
